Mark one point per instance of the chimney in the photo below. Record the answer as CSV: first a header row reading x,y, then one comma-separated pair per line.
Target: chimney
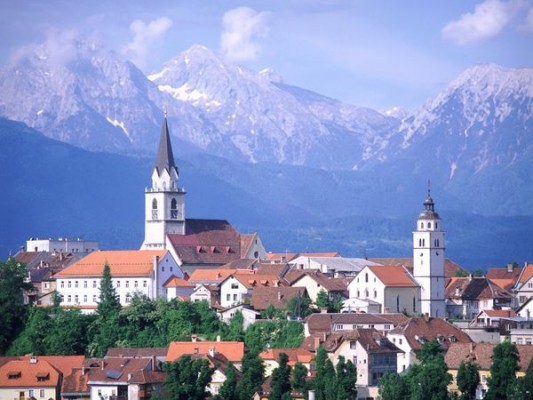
x,y
212,352
426,317
316,342
194,337
509,267
129,377
457,291
33,360
218,338
279,295
83,370
154,363
102,364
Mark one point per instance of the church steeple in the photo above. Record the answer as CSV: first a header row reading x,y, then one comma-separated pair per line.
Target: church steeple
x,y
164,201
165,157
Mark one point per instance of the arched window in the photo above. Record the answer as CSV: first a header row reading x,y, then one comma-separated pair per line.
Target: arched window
x,y
375,293
173,209
436,225
429,225
154,209
366,293
358,294
366,276
421,225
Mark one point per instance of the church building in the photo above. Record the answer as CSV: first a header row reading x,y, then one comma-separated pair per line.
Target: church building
x,y
194,243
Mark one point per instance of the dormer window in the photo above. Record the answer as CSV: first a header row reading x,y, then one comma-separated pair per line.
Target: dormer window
x,y
43,376
14,374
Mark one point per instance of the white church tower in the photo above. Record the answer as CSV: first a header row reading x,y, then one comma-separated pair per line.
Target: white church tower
x,y
164,201
428,260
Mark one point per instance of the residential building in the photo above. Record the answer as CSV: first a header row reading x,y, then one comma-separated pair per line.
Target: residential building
x,y
177,288
249,315
524,285
331,266
315,281
209,293
270,358
132,271
468,296
505,277
61,245
481,354
233,351
277,297
238,287
412,335
391,286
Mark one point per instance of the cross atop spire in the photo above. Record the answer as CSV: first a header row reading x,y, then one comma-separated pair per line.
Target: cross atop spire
x,y
165,158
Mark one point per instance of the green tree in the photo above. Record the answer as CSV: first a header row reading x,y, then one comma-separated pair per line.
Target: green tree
x,y
228,391
503,370
280,383
252,376
298,378
323,373
108,303
346,379
67,334
393,387
322,299
468,379
235,328
187,378
522,389
12,308
32,339
298,307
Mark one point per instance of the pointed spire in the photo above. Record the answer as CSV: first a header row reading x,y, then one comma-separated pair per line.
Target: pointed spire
x,y
165,158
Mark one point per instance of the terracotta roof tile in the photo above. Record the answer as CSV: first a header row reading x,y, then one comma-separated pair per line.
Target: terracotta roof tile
x,y
481,353
510,275
320,323
233,351
526,274
252,281
210,275
500,313
23,373
329,284
393,276
451,268
207,241
475,288
76,382
174,281
121,368
121,263
278,297
139,352
294,354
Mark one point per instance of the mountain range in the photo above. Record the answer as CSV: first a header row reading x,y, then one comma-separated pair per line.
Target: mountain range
x,y
282,158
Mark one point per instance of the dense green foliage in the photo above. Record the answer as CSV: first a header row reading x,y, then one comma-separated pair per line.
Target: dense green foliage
x,y
187,378
426,380
277,333
12,309
468,379
331,384
522,388
252,375
281,379
228,391
502,370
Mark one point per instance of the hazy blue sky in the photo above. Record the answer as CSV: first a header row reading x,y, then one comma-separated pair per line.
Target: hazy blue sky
x,y
377,53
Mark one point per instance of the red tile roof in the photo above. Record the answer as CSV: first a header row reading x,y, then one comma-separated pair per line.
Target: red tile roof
x,y
320,323
26,373
207,241
329,284
499,313
121,368
210,275
76,382
481,353
233,351
526,274
295,355
278,297
174,281
252,281
393,276
121,263
505,277
451,268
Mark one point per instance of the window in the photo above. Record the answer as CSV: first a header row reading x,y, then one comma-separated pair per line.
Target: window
x,y
234,286
352,344
135,284
94,298
429,225
421,225
85,298
75,284
69,298
235,297
375,293
62,284
76,299
400,341
128,298
94,284
145,284
41,393
154,209
69,283
84,284
173,209
358,293
228,297
366,276
387,327
398,303
414,303
30,393
163,268
127,284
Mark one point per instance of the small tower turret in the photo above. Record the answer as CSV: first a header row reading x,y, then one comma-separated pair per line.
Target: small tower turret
x,y
164,201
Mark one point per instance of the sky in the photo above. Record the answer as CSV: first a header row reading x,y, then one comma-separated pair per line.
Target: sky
x,y
374,53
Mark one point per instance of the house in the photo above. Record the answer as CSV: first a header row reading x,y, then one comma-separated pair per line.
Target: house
x,y
61,245
324,324
331,266
505,277
233,351
270,358
36,376
220,364
391,286
157,353
412,335
29,379
276,258
451,268
210,276
315,281
366,306
491,318
249,315
524,285
468,296
277,297
209,293
177,288
127,378
481,354
238,287
526,309
133,271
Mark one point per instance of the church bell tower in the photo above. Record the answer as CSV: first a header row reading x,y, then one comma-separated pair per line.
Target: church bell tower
x,y
428,260
164,201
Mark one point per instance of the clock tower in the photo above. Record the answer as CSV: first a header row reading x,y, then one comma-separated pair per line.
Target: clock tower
x,y
428,260
164,201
